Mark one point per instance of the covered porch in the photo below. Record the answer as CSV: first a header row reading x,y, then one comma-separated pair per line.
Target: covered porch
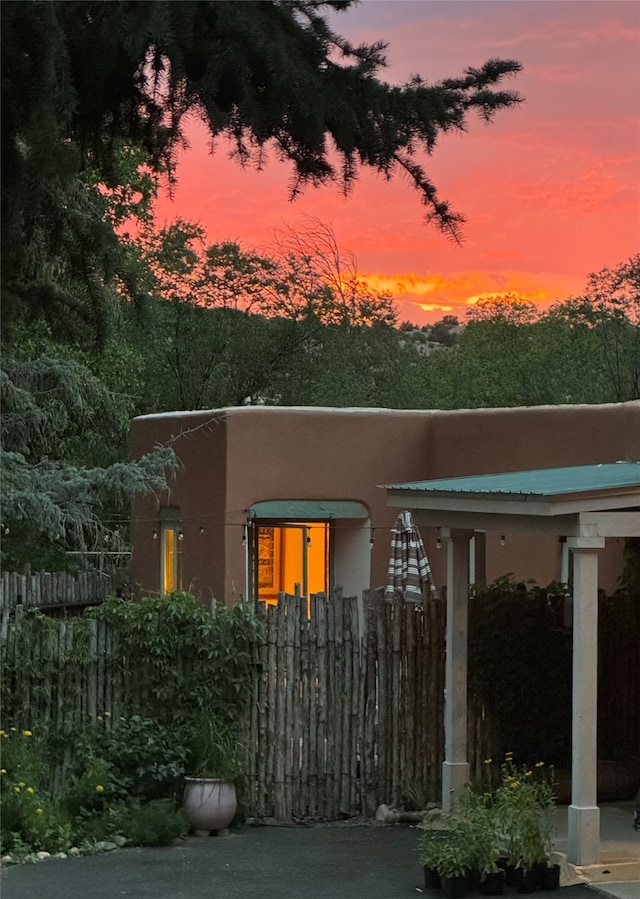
x,y
585,505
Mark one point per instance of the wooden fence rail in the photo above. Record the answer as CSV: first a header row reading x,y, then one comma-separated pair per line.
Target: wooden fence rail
x,y
55,590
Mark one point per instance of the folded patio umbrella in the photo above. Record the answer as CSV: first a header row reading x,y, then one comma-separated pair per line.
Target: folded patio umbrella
x,y
409,568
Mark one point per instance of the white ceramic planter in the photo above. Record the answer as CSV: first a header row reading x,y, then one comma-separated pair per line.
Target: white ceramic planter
x,y
210,804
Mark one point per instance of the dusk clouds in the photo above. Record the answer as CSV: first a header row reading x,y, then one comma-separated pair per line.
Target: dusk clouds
x,y
550,190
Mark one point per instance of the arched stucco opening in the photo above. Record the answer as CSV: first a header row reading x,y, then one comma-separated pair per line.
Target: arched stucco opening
x,y
307,546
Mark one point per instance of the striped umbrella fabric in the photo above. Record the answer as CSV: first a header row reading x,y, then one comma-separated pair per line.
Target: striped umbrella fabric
x,y
409,567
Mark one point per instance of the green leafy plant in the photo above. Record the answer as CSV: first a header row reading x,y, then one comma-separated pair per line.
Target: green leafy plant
x,y
178,658
20,851
155,823
429,844
452,856
193,671
89,787
215,749
445,844
478,828
96,826
147,759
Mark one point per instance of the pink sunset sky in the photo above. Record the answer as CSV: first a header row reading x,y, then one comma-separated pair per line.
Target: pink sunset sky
x,y
550,190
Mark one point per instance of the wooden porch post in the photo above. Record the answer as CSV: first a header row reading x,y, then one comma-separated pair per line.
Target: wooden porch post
x,y
583,813
455,768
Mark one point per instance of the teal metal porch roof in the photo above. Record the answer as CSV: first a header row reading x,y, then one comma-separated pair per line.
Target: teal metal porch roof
x,y
602,500
544,482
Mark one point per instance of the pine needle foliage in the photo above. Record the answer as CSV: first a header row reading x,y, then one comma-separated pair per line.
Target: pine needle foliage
x,y
95,99
63,502
82,79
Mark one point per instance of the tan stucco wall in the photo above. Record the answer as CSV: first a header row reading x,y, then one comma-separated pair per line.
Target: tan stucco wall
x,y
479,441
324,454
233,458
199,440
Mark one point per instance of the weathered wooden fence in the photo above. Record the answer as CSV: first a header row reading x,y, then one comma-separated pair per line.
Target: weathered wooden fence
x,y
55,591
61,677
347,710
346,713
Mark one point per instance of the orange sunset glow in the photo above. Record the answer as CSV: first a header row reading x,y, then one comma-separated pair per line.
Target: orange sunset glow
x,y
549,190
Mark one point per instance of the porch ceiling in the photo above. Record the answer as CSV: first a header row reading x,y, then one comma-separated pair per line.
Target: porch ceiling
x,y
580,501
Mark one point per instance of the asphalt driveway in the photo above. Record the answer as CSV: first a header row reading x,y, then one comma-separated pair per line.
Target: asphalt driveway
x,y
349,862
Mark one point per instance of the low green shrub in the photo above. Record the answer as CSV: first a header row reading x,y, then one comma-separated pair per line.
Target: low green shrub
x,y
147,759
155,823
98,826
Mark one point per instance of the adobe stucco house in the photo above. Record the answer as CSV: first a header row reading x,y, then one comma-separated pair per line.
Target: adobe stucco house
x,y
291,499
271,499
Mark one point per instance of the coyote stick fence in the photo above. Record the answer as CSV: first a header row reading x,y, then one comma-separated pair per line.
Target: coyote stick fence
x,y
347,708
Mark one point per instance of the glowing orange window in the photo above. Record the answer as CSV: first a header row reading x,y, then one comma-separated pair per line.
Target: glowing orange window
x,y
171,558
291,557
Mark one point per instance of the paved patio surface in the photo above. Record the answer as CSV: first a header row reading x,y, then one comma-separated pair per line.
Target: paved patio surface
x,y
618,871
326,862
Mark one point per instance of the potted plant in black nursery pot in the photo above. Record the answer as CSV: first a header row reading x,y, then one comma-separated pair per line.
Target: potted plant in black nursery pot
x,y
453,860
430,838
480,832
453,864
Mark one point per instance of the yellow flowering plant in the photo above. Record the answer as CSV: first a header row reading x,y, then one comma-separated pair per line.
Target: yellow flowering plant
x,y
30,820
24,759
508,814
523,802
88,788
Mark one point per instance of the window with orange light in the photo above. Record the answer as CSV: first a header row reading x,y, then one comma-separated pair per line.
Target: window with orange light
x,y
290,557
171,558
